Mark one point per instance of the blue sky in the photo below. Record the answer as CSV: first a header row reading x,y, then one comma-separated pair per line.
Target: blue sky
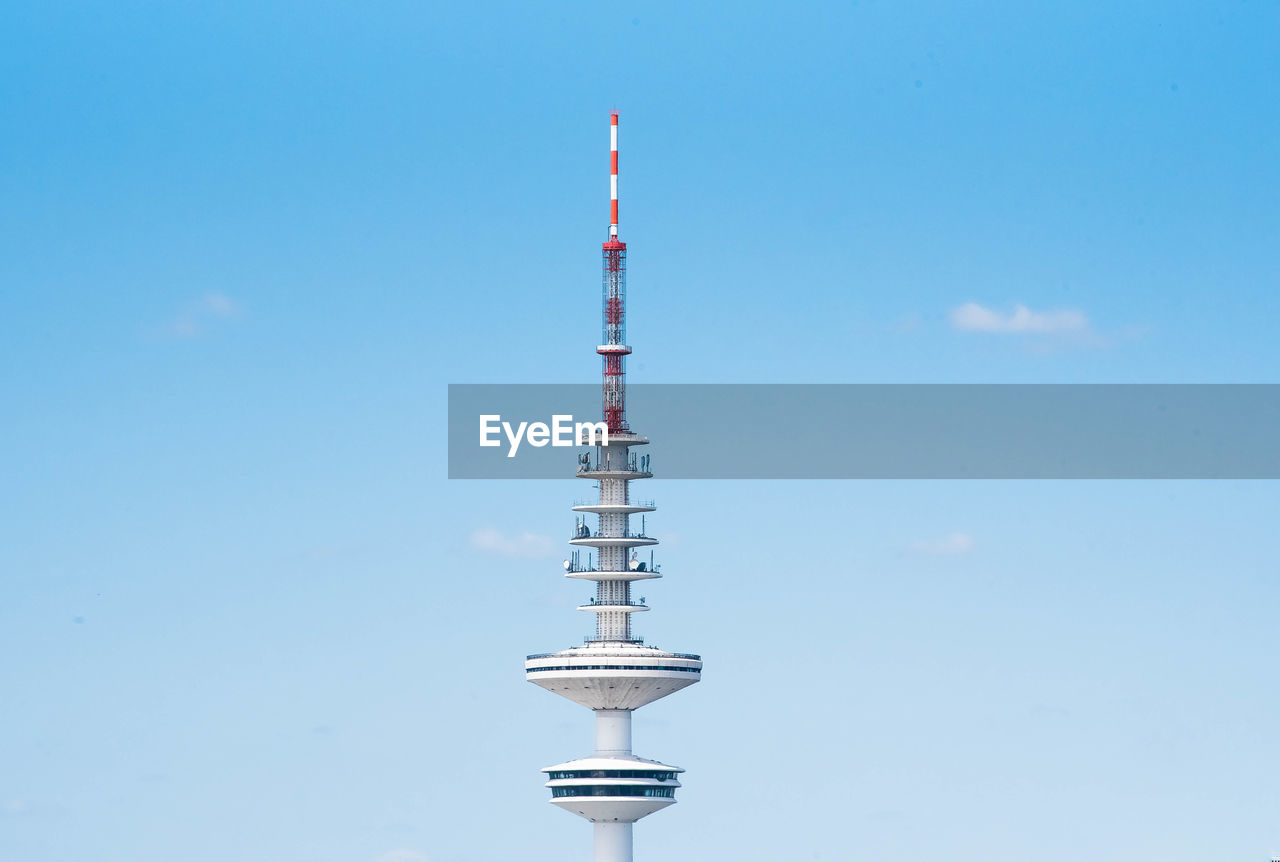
x,y
245,247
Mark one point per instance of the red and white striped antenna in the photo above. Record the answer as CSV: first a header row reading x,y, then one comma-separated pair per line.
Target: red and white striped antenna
x,y
613,173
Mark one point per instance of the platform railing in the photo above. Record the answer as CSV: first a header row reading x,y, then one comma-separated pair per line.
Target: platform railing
x,y
587,533
634,465
590,639
580,569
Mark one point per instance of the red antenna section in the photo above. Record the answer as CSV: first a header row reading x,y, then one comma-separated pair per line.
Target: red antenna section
x,y
613,347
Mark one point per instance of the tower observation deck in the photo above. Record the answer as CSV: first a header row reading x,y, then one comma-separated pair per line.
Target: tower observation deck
x,y
613,673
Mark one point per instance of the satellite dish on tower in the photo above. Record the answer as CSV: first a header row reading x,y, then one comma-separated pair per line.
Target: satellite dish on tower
x,y
566,565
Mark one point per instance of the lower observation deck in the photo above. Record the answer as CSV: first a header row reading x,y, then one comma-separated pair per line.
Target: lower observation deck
x,y
618,789
613,675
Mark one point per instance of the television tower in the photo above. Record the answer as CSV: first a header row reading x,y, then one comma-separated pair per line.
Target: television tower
x,y
614,674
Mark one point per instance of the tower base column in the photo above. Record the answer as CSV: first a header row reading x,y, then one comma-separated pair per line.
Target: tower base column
x,y
612,842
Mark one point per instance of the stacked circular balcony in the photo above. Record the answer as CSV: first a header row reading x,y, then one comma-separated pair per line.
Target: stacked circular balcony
x,y
613,789
613,467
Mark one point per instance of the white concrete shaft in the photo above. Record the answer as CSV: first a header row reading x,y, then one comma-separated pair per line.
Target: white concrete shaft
x,y
613,842
613,732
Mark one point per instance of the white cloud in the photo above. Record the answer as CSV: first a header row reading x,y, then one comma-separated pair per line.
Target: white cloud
x,y
524,545
196,316
951,545
403,855
972,317
26,808
219,305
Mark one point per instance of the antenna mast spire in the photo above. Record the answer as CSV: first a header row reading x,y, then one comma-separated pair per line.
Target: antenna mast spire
x,y
613,347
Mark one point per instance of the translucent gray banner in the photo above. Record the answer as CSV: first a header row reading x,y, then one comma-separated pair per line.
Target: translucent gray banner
x,y
818,431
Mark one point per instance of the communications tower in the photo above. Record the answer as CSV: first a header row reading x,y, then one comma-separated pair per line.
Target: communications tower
x,y
614,673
